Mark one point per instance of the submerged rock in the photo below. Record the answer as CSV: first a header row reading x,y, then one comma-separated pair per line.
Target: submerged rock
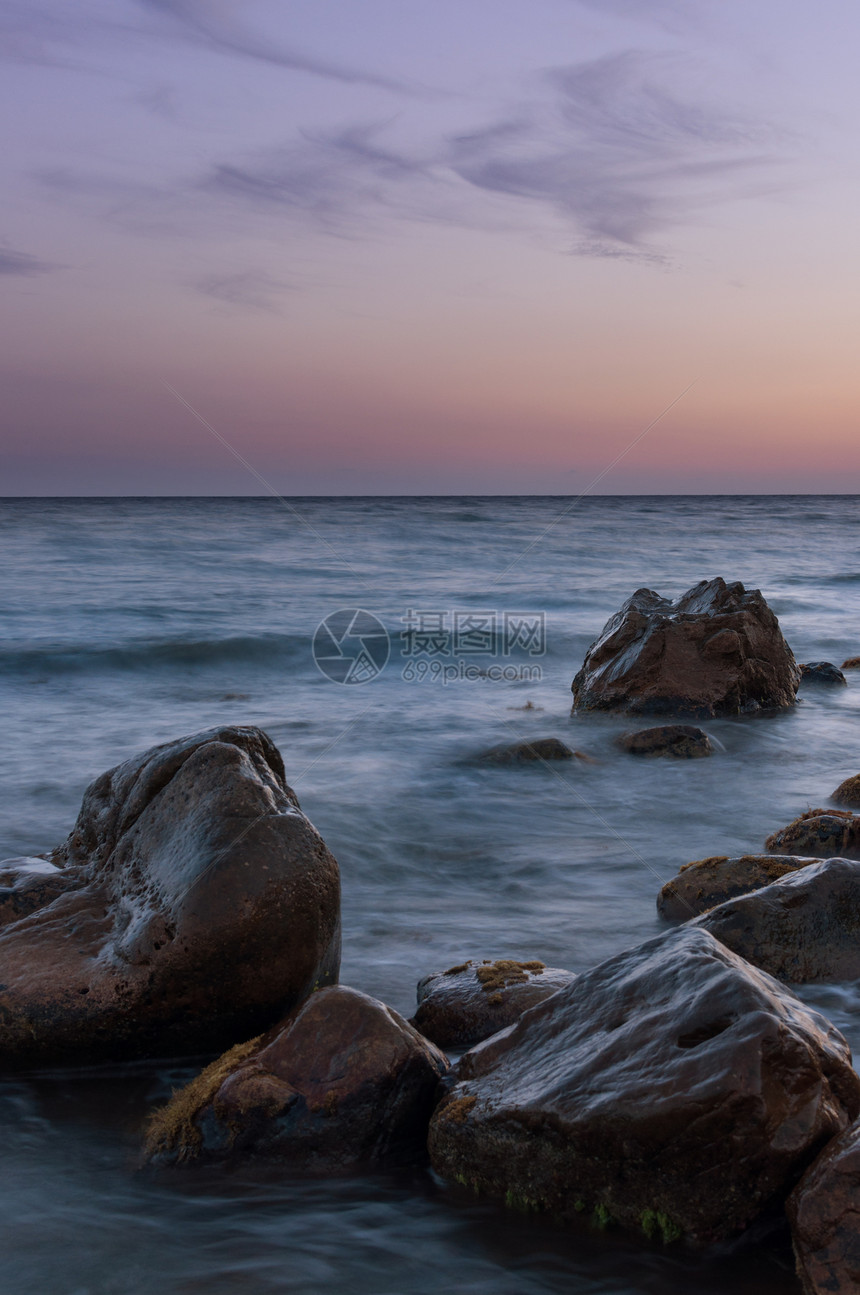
x,y
716,650
344,1083
853,663
542,748
683,741
673,1089
821,672
706,883
192,902
460,1007
823,833
822,1211
848,792
804,927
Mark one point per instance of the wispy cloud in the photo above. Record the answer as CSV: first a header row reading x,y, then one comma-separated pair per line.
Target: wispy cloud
x,y
246,289
23,264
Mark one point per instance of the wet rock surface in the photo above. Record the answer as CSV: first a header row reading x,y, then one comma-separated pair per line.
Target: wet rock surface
x,y
848,792
459,1007
682,741
716,650
542,748
192,901
343,1083
704,884
673,1089
852,663
823,833
823,672
824,1212
804,927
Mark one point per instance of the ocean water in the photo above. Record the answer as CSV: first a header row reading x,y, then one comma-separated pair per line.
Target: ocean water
x,y
128,622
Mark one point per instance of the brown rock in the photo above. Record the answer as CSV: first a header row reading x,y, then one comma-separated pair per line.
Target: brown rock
x,y
803,927
542,748
460,1007
823,833
853,663
343,1083
823,1212
683,741
192,902
672,1089
706,883
823,672
717,650
848,792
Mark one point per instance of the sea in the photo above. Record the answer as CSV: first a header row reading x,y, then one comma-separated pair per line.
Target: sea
x,y
385,644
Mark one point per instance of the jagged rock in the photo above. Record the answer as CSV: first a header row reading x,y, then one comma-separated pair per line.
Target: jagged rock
x,y
823,1211
193,901
804,927
542,748
704,884
821,672
673,1089
460,1007
683,741
716,650
848,792
823,833
343,1083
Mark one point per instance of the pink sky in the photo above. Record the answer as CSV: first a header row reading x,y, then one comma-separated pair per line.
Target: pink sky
x,y
472,247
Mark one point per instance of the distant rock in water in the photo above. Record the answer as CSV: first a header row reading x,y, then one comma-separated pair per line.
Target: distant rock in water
x,y
823,833
716,650
853,663
822,1211
682,741
192,902
673,1089
343,1083
542,748
703,885
460,1007
824,672
804,927
848,792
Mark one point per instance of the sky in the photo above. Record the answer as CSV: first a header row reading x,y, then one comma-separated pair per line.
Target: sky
x,y
398,247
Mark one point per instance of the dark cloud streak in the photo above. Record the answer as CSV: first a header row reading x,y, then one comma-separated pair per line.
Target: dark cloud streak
x,y
23,265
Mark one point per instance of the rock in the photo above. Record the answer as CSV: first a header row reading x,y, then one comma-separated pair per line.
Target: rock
x,y
27,884
823,833
716,650
703,885
822,1211
542,748
848,792
460,1007
806,926
673,1089
853,663
821,672
682,741
192,902
343,1083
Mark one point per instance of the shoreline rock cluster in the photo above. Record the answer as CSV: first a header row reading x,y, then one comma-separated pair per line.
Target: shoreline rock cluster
x,y
679,1089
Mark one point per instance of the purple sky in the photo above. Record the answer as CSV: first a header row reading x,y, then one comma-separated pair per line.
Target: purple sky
x,y
410,248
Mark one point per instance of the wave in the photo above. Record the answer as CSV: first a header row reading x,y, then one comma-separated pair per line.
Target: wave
x,y
273,649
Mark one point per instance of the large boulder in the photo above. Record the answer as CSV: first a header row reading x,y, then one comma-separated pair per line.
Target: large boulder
x,y
804,927
823,1212
192,903
702,885
716,650
674,1089
820,832
343,1083
459,1007
848,792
